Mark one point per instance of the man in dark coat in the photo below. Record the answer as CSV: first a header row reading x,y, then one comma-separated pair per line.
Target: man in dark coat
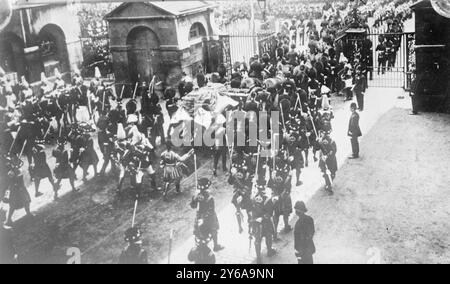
x,y
354,131
204,202
303,235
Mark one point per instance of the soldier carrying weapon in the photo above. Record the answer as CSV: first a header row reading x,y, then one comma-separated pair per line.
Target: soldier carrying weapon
x,y
328,162
173,165
16,194
206,223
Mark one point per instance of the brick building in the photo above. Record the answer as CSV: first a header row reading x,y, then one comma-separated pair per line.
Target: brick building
x,y
162,39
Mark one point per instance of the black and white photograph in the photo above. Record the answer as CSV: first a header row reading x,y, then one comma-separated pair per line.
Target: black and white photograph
x,y
225,132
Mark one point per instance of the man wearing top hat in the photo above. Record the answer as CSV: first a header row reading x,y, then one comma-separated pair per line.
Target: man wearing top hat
x,y
303,235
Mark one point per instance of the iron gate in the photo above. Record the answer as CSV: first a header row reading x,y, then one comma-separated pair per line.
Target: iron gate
x,y
393,70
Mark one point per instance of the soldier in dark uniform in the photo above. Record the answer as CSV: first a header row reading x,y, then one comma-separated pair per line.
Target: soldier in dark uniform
x,y
205,204
106,145
63,169
201,253
295,152
39,169
354,131
281,185
88,156
133,253
16,195
240,180
382,56
303,235
171,101
80,93
8,252
414,92
328,162
262,225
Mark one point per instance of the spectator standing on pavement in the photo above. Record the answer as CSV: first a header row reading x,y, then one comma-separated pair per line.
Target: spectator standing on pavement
x,y
415,84
303,235
354,131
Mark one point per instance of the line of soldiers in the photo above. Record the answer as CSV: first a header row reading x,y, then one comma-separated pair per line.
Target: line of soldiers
x,y
262,184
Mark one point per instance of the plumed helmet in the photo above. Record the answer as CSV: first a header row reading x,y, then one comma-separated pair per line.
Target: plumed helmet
x,y
203,184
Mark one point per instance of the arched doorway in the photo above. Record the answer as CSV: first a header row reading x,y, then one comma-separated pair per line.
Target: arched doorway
x,y
12,54
143,51
53,49
197,31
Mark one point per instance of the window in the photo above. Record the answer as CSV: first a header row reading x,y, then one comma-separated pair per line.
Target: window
x,y
197,31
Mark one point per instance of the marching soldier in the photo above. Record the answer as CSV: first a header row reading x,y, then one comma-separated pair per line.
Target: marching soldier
x,y
262,225
105,144
88,156
16,195
80,94
360,88
205,204
201,253
173,166
295,152
39,169
63,169
241,182
133,253
328,162
325,115
171,101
